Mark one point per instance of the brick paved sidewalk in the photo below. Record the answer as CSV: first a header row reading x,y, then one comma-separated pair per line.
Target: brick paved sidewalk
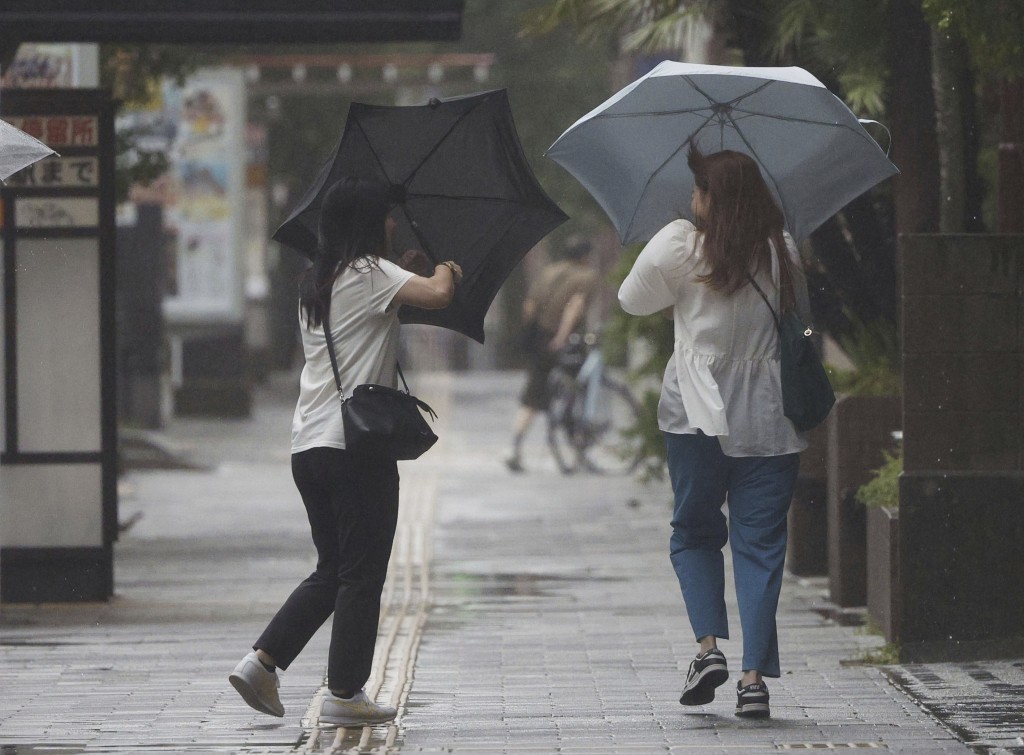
x,y
533,613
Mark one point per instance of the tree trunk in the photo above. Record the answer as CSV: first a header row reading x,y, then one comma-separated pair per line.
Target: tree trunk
x,y
911,109
949,62
1011,157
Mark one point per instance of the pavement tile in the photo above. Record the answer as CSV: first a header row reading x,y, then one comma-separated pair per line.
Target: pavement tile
x,y
552,621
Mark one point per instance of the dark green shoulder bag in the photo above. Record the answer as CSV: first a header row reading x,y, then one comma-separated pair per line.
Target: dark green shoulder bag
x,y
807,395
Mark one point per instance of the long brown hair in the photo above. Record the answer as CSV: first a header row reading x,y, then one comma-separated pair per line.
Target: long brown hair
x,y
741,218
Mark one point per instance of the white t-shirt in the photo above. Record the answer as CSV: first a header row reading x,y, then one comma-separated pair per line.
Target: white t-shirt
x,y
724,375
365,329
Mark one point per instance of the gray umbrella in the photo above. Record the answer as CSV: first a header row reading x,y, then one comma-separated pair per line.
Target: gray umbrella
x,y
18,150
630,151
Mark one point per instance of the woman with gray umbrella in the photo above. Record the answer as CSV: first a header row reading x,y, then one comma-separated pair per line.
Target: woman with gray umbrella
x,y
721,411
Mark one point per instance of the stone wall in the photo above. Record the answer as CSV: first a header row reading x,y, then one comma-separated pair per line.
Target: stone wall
x,y
962,491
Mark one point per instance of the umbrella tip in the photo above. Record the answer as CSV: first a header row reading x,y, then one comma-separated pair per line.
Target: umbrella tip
x,y
433,102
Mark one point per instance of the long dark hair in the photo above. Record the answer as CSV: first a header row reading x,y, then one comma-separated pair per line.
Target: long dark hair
x,y
740,219
352,225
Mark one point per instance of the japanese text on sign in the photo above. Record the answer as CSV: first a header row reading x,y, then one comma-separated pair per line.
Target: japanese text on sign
x,y
60,130
56,212
58,173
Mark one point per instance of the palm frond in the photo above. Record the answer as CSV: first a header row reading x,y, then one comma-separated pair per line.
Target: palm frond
x,y
647,25
864,91
669,32
791,22
544,20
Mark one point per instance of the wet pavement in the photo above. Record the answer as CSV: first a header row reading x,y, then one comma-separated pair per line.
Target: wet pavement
x,y
523,614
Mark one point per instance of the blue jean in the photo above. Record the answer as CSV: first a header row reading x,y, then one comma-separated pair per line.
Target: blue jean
x,y
759,490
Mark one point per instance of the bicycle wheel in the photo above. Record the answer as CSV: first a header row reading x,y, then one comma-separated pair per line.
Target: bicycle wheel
x,y
606,444
561,421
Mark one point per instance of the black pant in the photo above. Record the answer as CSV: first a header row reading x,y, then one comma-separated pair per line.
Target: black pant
x,y
539,363
352,504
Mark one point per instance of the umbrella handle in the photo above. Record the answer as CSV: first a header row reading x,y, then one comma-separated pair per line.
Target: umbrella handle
x,y
866,121
419,237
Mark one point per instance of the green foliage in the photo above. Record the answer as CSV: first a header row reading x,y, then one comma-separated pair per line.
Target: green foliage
x,y
884,487
651,448
886,655
874,350
647,25
993,29
864,90
135,165
791,19
134,73
843,40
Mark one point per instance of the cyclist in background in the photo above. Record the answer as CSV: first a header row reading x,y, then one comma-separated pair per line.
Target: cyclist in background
x,y
555,307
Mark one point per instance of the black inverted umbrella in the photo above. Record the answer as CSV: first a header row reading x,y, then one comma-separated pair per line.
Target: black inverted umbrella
x,y
464,189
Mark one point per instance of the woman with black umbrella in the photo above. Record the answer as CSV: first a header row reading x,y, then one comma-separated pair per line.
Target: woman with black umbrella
x,y
351,501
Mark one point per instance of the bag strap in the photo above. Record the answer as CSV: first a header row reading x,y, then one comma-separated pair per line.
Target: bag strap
x,y
775,317
334,359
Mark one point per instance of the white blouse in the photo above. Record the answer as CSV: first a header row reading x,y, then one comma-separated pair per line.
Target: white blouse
x,y
723,377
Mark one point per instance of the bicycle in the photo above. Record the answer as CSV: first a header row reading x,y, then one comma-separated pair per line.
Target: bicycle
x,y
590,413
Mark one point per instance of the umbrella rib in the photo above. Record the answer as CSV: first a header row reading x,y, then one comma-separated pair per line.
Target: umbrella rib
x,y
811,122
380,163
711,100
439,142
654,173
751,93
601,116
793,118
426,157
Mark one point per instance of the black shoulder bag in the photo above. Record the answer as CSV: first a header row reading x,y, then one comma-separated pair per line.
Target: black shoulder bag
x,y
382,421
807,395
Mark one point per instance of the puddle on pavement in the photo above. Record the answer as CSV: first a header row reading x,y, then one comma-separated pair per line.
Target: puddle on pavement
x,y
511,585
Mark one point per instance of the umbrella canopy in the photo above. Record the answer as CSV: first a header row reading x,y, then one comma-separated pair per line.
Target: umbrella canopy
x,y
630,151
18,150
465,193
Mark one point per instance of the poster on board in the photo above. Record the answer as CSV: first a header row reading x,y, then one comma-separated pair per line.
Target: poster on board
x,y
206,213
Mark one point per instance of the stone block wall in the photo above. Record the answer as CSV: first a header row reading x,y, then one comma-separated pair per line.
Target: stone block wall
x,y
962,492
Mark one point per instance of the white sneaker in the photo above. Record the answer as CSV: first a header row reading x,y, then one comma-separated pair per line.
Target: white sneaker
x,y
360,710
257,686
